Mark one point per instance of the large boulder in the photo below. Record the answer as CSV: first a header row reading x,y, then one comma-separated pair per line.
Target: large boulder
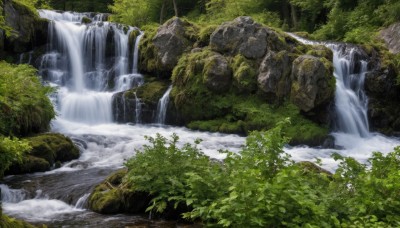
x,y
28,29
312,82
217,75
242,36
274,73
391,36
170,41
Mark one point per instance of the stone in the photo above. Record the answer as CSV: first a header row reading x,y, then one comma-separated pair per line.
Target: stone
x,y
241,36
274,73
311,84
391,36
28,29
170,42
217,75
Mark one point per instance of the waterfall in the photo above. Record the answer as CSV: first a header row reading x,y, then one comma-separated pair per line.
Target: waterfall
x,y
90,62
11,195
351,102
162,106
138,109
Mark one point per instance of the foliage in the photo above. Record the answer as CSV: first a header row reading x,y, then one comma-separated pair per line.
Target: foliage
x,y
11,150
160,169
260,186
24,105
7,222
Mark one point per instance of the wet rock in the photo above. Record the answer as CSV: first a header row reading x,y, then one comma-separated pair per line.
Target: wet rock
x,y
28,29
171,41
312,82
217,75
274,73
148,95
391,36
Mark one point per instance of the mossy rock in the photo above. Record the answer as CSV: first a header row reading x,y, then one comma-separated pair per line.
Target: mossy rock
x,y
29,164
8,222
150,92
53,147
244,74
86,20
109,197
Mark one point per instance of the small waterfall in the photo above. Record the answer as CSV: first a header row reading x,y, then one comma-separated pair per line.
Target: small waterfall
x,y
11,195
351,102
138,109
81,201
136,53
162,106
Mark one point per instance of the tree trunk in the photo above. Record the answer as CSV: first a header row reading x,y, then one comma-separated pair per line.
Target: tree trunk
x,y
175,8
162,12
294,16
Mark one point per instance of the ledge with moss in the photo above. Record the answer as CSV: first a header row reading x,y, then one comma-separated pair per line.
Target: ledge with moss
x,y
48,151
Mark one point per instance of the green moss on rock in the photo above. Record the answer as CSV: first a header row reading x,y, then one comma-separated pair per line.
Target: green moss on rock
x,y
53,147
244,74
150,92
29,164
8,222
111,197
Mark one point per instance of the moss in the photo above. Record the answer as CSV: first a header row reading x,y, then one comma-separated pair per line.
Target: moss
x,y
321,51
218,125
86,20
53,147
205,34
150,92
29,164
244,74
148,60
112,196
7,222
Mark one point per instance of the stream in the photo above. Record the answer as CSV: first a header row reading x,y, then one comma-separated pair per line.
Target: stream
x,y
78,64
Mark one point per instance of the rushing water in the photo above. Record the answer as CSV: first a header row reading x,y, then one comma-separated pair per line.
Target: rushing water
x,y
91,62
162,107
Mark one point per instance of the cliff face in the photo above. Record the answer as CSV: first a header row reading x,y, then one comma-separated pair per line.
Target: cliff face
x,y
28,30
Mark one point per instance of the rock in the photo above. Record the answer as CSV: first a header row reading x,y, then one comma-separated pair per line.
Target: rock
x,y
241,36
244,74
28,29
313,168
47,150
53,147
109,198
312,82
217,75
274,73
391,36
29,164
86,20
124,103
170,42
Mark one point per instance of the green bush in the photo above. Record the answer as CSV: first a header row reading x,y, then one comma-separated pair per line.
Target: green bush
x,y
260,186
11,150
24,105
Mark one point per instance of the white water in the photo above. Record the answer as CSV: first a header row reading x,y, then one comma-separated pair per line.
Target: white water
x,y
162,106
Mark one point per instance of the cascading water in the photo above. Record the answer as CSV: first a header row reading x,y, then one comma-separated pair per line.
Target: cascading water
x,y
162,106
78,60
351,103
